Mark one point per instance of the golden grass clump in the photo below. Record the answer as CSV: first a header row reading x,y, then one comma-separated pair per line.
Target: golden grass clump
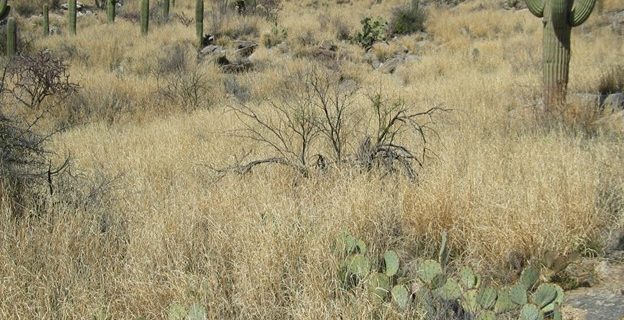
x,y
142,221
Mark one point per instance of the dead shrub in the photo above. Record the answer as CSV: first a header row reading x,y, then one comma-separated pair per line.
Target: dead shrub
x,y
311,126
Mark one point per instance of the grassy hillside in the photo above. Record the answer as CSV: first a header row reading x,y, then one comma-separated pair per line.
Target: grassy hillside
x,y
142,221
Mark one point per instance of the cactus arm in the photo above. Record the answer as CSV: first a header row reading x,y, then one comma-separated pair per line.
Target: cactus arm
x,y
46,20
72,17
581,11
4,9
110,11
11,40
144,17
199,22
536,7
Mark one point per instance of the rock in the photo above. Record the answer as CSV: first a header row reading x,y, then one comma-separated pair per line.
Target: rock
x,y
55,30
613,122
79,6
412,58
615,242
372,59
212,50
571,313
616,19
237,66
514,5
323,54
598,305
244,48
613,102
604,300
391,64
328,45
208,39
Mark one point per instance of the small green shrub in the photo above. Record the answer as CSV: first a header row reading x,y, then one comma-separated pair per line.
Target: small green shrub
x,y
274,37
407,19
373,30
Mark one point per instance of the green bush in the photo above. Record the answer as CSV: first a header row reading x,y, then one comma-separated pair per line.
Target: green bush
x,y
373,30
408,19
274,37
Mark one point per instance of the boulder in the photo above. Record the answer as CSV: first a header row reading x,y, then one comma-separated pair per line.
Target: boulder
x,y
79,6
616,19
237,66
211,50
390,65
244,48
613,102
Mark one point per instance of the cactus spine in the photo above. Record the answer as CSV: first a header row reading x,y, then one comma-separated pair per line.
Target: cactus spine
x,y
72,17
165,9
46,20
110,11
4,9
199,22
558,16
11,38
144,16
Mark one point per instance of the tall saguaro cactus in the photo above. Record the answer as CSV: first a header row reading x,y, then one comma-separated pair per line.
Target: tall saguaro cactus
x,y
110,11
559,17
199,22
46,20
4,9
72,17
165,9
11,43
144,17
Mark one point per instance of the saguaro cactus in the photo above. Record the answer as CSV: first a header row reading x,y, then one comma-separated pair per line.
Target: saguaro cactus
x,y
558,16
144,16
4,9
110,11
199,22
165,9
11,43
72,17
46,20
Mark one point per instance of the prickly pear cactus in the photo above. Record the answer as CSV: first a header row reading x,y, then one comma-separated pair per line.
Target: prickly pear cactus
x,y
559,17
391,262
428,271
400,296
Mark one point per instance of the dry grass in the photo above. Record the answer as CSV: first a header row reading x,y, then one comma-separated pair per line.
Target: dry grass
x,y
164,230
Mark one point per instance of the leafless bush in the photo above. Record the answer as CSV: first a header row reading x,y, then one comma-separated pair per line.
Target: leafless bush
x,y
312,125
37,77
394,120
190,89
24,159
